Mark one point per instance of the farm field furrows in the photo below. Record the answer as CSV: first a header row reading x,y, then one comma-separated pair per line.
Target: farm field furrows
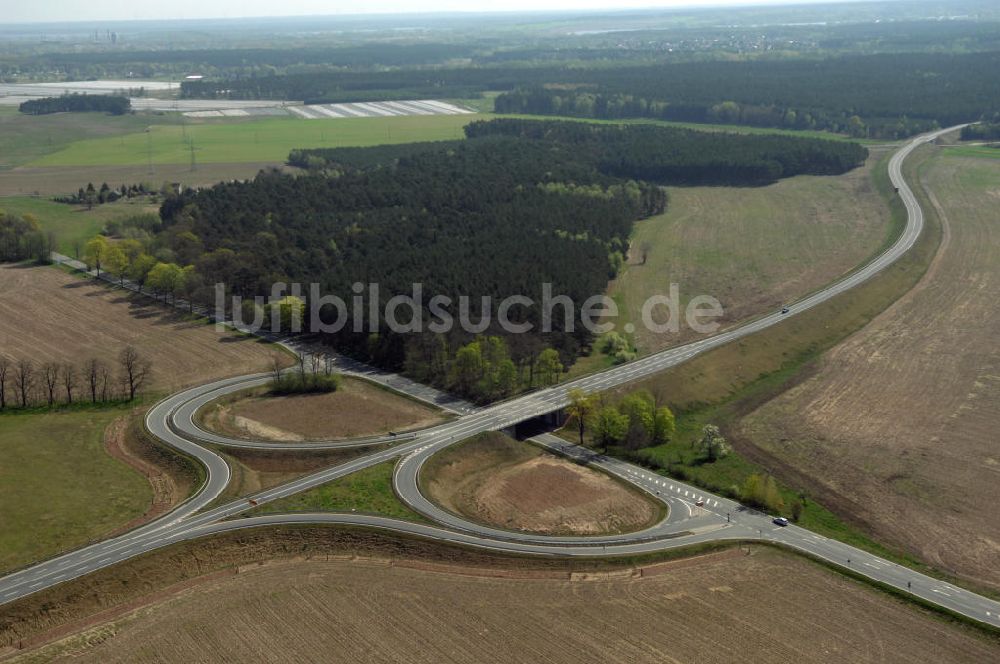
x,y
897,426
720,608
49,316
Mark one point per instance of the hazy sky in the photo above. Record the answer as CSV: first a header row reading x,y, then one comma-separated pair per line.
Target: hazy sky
x,y
17,11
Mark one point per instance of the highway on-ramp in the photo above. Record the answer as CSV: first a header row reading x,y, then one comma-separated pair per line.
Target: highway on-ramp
x,y
693,515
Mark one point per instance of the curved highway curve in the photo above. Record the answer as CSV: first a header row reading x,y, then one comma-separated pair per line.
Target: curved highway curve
x,y
694,516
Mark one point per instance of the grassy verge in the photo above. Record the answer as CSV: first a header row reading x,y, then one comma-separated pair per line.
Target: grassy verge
x,y
255,470
368,491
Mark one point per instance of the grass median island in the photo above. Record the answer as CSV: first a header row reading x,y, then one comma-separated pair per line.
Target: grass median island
x,y
494,479
59,488
357,408
368,491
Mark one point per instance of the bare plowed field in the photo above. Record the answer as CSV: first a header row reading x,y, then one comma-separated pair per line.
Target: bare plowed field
x,y
505,483
899,426
47,315
720,608
357,408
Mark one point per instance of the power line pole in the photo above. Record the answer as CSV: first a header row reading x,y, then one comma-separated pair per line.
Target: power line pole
x,y
149,150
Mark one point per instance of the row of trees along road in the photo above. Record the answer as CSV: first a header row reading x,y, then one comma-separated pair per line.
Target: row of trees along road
x,y
26,384
127,259
21,238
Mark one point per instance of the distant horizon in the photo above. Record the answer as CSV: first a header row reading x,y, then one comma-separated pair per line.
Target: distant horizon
x,y
25,14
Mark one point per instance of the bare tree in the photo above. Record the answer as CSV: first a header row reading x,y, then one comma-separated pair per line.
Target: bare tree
x,y
104,378
135,370
92,370
69,380
327,365
644,250
4,372
24,378
314,363
50,374
276,367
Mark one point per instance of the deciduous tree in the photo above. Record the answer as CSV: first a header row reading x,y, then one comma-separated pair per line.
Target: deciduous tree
x,y
94,252
135,370
581,407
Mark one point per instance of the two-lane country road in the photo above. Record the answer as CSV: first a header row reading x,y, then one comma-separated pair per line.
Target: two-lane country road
x,y
687,522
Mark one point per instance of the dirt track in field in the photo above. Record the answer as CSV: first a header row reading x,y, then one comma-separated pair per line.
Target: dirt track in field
x,y
899,426
356,409
47,315
509,484
717,608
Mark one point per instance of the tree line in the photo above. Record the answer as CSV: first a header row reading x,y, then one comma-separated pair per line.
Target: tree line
x,y
77,103
637,421
21,238
988,129
91,195
26,384
667,155
880,96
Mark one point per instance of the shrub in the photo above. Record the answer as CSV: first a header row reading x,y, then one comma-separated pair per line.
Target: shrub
x,y
297,383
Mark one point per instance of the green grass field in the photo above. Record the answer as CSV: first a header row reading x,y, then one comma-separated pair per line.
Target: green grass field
x,y
263,140
368,491
26,138
168,139
983,151
72,224
752,248
58,487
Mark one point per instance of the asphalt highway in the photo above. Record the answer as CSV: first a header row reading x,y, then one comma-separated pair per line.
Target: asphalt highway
x,y
686,523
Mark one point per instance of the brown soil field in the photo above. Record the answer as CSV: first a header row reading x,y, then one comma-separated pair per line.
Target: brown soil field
x,y
356,409
897,426
714,608
497,480
752,248
54,180
48,315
